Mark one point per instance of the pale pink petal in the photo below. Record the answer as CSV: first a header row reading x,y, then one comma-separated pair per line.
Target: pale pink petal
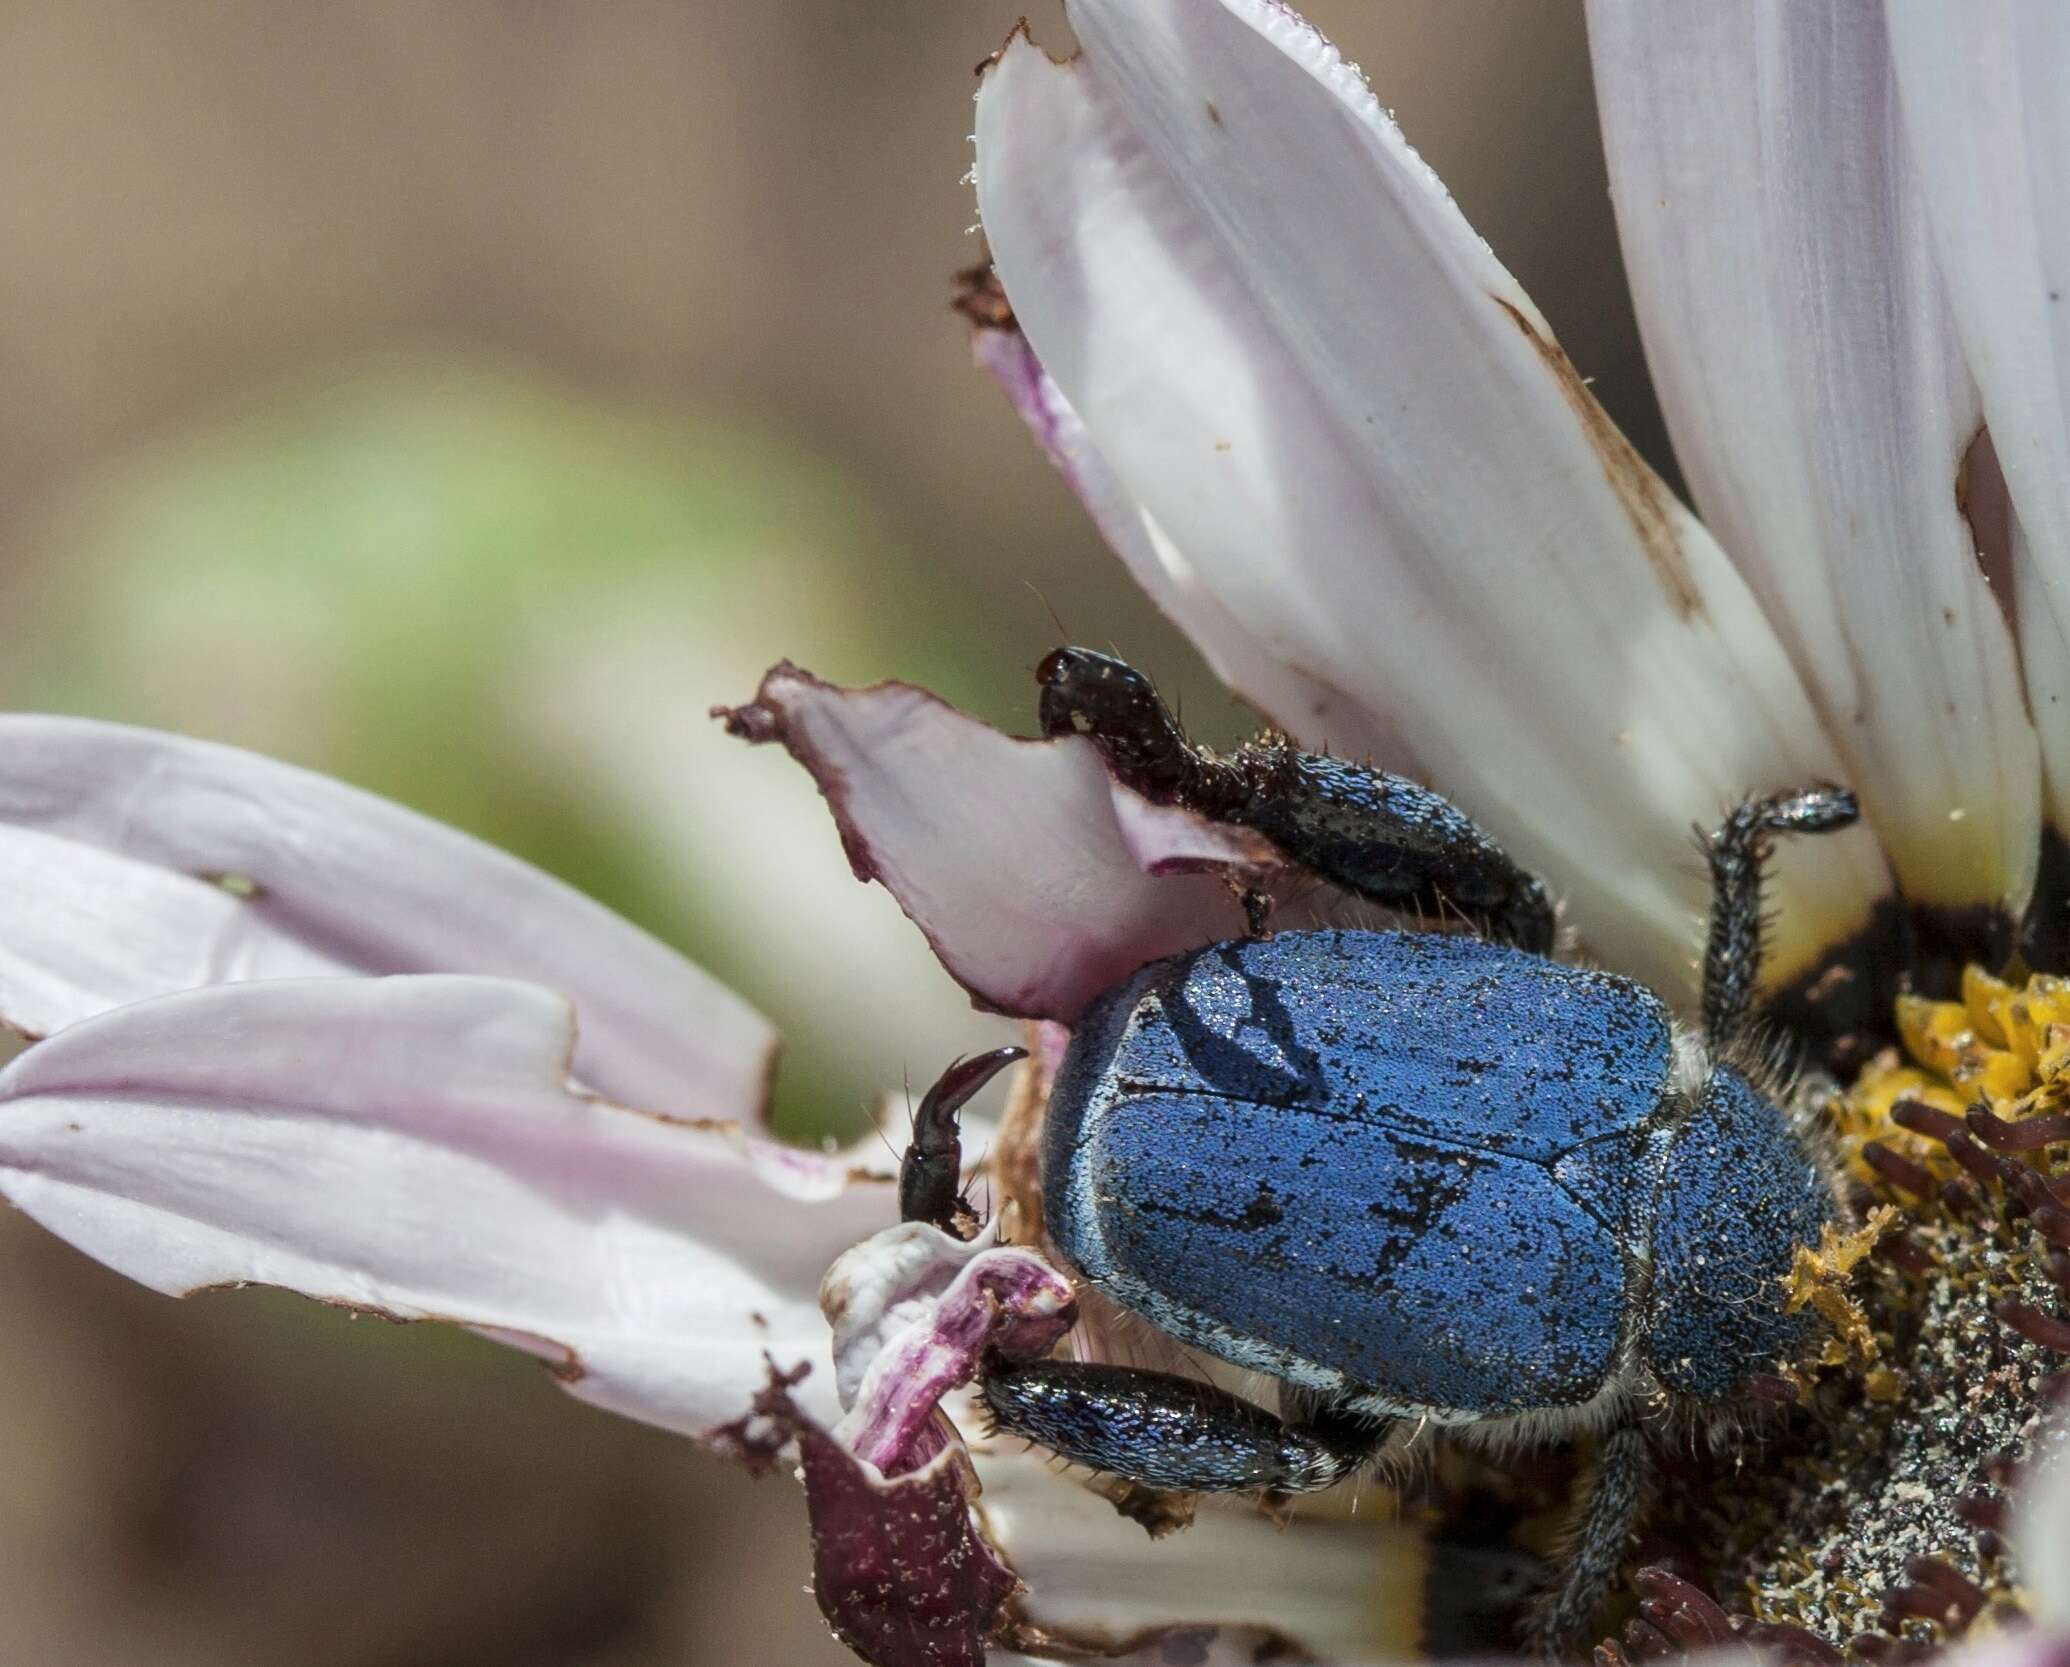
x,y
350,880
1356,433
2010,1647
411,1146
1816,392
1039,882
87,929
1983,101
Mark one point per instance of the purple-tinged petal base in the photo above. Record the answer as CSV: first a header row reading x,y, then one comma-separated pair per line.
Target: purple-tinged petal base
x,y
998,1298
900,1570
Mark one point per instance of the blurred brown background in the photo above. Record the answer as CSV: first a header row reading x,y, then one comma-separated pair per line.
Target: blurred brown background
x,y
462,397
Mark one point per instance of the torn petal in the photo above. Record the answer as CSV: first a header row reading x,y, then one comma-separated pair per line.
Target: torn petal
x,y
329,878
1038,881
877,1289
411,1146
1350,427
1809,367
925,1307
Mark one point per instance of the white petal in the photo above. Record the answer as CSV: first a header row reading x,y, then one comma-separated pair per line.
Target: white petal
x,y
1982,90
1336,1590
1293,699
350,880
1039,882
2041,1535
2003,1647
1299,362
411,1146
1815,389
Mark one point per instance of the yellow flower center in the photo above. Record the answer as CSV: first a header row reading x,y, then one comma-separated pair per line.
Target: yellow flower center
x,y
1876,1516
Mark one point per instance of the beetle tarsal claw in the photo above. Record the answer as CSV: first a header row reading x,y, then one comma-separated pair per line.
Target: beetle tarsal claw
x,y
1818,1280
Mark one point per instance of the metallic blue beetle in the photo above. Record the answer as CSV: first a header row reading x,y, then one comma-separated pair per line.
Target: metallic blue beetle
x,y
1411,1175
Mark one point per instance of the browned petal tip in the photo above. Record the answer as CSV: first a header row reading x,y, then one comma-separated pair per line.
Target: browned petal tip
x,y
760,720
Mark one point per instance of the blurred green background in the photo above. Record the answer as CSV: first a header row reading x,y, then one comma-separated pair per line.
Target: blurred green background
x,y
461,399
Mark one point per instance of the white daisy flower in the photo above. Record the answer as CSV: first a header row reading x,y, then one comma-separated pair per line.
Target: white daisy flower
x,y
289,1034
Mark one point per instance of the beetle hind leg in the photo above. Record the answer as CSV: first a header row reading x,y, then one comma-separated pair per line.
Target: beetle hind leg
x,y
1172,1433
1595,1554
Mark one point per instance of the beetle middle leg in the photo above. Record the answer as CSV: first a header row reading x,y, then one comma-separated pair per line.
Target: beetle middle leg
x,y
1382,836
1738,851
1169,1432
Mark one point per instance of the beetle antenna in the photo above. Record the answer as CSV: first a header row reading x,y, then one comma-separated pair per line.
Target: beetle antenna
x,y
876,1123
1056,619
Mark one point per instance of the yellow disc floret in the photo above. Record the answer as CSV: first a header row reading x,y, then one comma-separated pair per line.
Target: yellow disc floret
x,y
2005,1047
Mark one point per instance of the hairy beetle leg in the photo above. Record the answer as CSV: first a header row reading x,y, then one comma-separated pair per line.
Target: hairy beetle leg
x,y
1738,851
930,1175
1601,1535
1389,839
1169,1432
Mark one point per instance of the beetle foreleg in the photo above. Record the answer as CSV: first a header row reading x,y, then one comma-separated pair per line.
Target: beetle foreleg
x,y
1596,1553
1738,851
1167,1432
930,1175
